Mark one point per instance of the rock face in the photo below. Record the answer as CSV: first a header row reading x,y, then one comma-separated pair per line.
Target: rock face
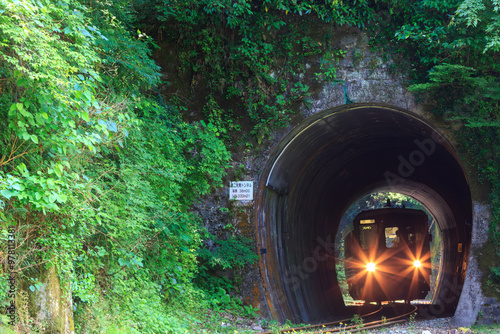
x,y
52,304
472,302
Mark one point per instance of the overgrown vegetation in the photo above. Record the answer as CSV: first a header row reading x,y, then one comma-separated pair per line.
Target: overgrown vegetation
x,y
246,60
454,49
97,177
102,157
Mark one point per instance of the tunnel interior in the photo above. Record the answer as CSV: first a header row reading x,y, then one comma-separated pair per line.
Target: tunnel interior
x,y
381,200
324,165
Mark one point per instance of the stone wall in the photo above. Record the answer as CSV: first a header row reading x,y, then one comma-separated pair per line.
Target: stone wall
x,y
489,313
364,76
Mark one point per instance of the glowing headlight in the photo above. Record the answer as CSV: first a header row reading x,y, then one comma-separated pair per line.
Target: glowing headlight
x,y
370,266
417,264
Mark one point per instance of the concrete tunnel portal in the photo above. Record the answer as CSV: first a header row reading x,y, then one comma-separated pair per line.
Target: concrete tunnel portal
x,y
320,168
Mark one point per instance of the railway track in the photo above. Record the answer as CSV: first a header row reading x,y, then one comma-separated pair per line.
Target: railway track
x,y
347,325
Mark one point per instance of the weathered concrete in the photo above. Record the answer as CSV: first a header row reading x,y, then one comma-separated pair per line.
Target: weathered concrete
x,y
364,77
472,299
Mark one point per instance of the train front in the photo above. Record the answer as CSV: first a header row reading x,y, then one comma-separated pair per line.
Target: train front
x,y
388,255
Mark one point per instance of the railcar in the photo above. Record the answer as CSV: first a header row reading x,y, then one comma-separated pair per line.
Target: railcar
x,y
387,255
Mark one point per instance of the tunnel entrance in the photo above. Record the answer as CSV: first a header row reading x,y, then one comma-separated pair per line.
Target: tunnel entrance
x,y
385,200
324,165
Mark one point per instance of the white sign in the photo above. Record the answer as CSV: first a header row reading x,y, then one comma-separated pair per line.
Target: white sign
x,y
241,191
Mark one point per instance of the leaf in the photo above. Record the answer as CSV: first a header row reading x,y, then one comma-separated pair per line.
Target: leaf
x,y
62,198
22,168
86,33
34,139
39,119
7,193
111,126
23,111
57,170
50,183
85,116
225,299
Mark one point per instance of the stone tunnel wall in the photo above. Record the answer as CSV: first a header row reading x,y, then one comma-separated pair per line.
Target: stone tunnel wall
x,y
366,78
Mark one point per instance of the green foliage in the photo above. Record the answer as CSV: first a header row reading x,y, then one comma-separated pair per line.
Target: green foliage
x,y
233,252
485,14
454,50
97,177
243,58
146,229
57,114
49,97
329,63
132,306
485,328
250,311
462,89
357,321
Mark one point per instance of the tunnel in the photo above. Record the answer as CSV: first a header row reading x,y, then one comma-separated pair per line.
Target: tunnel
x,y
325,164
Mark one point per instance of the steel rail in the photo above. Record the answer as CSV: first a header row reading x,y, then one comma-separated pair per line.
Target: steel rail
x,y
352,328
322,324
370,325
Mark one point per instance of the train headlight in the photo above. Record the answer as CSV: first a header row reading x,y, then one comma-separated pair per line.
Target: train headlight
x,y
370,266
417,264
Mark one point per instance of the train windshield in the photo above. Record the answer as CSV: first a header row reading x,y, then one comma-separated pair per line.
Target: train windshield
x,y
368,236
392,237
407,234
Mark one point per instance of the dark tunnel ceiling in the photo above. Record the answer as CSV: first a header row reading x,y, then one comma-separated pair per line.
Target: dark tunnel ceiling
x,y
322,167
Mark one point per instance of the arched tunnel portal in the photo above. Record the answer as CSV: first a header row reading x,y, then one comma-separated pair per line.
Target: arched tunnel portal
x,y
324,165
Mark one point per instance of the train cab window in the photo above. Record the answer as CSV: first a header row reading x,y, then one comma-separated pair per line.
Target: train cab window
x,y
392,237
414,238
368,236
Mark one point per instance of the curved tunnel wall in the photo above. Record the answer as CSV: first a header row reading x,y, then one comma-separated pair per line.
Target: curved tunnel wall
x,y
322,167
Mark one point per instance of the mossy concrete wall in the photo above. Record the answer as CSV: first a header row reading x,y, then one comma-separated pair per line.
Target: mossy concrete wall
x,y
51,305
